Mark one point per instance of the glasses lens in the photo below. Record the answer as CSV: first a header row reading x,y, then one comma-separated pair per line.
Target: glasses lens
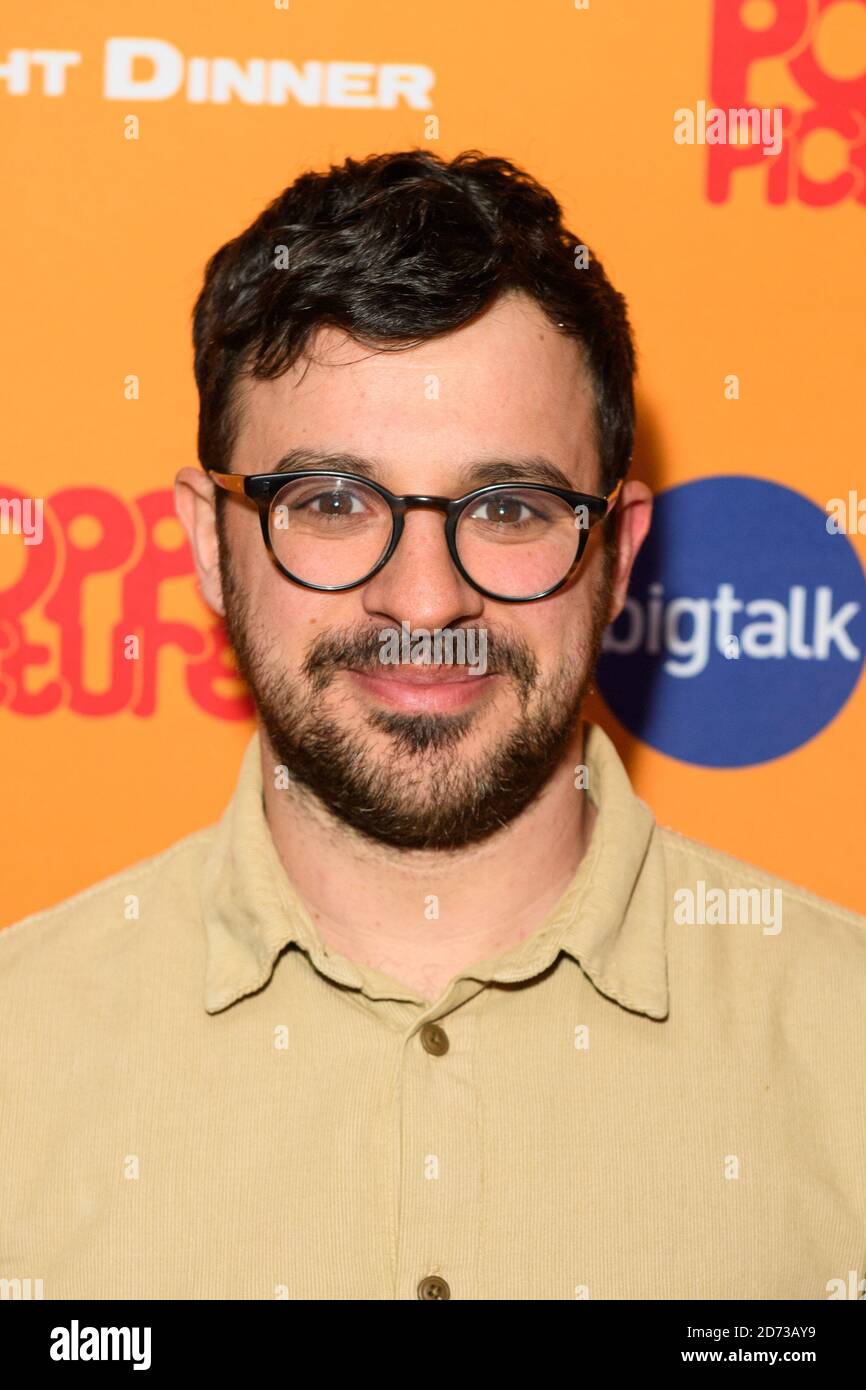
x,y
518,541
329,530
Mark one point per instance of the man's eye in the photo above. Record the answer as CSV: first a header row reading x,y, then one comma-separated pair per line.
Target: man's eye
x,y
340,503
502,510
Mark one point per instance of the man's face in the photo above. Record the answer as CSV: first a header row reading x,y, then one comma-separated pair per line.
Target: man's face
x,y
413,757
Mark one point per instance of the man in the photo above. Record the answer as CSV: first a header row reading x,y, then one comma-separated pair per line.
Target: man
x,y
417,1019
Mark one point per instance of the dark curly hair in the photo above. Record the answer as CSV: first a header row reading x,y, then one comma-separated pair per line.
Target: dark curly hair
x,y
397,249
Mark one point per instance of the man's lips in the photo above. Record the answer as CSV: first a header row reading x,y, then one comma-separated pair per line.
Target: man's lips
x,y
422,687
417,673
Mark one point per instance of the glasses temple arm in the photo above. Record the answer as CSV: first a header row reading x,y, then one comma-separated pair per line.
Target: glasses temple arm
x,y
232,482
612,496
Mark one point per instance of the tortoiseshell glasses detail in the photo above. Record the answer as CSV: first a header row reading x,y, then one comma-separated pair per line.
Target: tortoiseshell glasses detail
x,y
332,531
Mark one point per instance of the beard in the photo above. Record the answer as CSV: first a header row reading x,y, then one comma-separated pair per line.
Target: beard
x,y
424,792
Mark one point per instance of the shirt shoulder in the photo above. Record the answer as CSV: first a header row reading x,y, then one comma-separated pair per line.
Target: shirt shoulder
x,y
158,890
806,914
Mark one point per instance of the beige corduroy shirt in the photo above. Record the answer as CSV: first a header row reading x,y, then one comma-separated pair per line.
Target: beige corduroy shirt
x,y
199,1100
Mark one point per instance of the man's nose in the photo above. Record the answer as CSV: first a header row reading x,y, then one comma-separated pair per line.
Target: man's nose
x,y
420,584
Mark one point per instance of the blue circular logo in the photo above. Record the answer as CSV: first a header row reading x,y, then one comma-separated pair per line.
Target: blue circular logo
x,y
744,630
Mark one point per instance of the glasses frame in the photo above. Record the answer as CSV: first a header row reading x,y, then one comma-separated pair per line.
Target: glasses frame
x,y
263,488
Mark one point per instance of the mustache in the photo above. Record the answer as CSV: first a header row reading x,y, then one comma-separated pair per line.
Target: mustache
x,y
359,649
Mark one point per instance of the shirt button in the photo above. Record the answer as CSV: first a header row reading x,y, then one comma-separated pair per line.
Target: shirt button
x,y
433,1287
434,1039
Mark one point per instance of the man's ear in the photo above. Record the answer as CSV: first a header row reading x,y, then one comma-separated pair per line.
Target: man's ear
x,y
634,507
195,504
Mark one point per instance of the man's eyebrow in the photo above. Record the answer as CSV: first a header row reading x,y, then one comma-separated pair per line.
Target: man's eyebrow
x,y
534,469
297,459
478,473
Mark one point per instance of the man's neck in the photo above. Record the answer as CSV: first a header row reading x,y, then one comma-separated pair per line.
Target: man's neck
x,y
421,917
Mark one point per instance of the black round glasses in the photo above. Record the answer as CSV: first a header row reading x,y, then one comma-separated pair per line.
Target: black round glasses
x,y
516,542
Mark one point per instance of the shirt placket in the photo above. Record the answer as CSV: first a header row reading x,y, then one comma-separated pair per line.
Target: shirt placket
x,y
440,1150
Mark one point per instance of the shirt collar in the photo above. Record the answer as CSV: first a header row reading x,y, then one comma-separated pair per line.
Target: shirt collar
x,y
611,919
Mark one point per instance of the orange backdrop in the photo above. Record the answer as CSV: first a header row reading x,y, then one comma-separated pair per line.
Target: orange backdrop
x,y
729,266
